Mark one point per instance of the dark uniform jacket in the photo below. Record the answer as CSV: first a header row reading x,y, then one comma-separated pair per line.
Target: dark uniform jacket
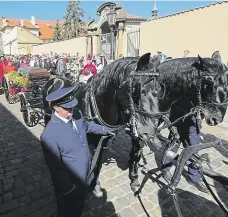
x,y
67,153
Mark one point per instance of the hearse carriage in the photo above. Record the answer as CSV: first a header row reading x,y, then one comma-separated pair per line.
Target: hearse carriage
x,y
26,86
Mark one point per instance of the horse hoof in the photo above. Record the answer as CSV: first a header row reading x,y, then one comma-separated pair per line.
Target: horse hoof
x,y
145,170
135,187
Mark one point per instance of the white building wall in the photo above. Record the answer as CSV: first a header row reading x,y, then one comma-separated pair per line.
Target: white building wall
x,y
9,37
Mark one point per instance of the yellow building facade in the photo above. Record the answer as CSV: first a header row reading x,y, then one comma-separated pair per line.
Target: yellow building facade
x,y
200,31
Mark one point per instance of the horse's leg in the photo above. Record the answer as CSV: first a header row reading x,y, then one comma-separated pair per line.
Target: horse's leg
x,y
135,156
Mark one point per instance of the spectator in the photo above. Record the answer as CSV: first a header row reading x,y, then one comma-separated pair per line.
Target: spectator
x,y
9,67
1,69
24,63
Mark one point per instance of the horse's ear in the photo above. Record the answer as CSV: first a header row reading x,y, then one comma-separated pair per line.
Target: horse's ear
x,y
216,56
143,61
199,65
201,61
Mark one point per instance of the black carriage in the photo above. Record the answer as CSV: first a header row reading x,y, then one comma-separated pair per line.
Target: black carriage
x,y
31,100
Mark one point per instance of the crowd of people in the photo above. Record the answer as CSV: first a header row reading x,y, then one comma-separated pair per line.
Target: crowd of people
x,y
65,65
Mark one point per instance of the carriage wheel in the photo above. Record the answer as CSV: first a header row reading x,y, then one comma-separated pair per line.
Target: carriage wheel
x,y
31,119
11,99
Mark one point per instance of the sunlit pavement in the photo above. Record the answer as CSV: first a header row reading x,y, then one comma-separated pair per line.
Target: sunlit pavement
x,y
25,188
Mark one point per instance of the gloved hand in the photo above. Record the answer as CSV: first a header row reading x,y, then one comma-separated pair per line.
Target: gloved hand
x,y
111,133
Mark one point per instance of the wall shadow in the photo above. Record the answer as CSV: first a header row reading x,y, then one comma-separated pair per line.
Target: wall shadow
x,y
25,181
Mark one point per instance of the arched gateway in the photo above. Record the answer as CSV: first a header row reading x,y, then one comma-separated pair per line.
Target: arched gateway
x,y
123,40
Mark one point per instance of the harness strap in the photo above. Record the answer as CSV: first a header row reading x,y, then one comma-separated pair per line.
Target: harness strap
x,y
96,156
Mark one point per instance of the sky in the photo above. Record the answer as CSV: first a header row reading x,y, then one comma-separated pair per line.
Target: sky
x,y
53,10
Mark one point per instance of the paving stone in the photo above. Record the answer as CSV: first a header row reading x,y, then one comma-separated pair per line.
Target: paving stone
x,y
123,201
8,187
9,180
137,207
28,188
37,178
9,168
34,206
19,183
49,210
2,176
37,214
2,159
21,211
19,192
36,194
7,196
45,201
25,199
128,212
11,173
9,205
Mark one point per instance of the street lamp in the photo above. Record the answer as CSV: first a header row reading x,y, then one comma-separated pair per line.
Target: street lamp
x,y
10,45
111,18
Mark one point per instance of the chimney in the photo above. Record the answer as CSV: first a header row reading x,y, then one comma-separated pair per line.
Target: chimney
x,y
33,20
22,22
4,21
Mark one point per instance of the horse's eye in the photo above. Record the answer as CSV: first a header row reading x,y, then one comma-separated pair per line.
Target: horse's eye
x,y
144,92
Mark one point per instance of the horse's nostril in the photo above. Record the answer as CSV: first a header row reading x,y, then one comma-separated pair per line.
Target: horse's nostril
x,y
214,120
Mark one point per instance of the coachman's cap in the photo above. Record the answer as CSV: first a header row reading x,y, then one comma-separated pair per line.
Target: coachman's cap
x,y
63,97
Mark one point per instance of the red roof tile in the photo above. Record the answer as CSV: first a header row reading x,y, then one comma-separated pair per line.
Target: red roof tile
x,y
134,17
46,28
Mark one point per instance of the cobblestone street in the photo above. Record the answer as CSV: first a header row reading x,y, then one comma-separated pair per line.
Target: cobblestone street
x,y
25,188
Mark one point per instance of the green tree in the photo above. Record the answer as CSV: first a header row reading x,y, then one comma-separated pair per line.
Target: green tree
x,y
73,25
57,32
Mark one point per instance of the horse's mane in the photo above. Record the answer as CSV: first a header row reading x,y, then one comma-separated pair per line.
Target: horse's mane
x,y
182,73
113,74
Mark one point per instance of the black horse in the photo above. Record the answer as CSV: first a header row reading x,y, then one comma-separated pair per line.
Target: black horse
x,y
192,82
121,95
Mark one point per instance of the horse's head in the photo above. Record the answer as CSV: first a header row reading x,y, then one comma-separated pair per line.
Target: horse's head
x,y
145,90
213,88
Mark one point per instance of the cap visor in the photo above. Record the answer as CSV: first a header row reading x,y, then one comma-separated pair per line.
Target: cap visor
x,y
70,104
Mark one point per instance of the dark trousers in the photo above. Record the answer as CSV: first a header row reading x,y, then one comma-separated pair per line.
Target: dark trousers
x,y
72,204
189,132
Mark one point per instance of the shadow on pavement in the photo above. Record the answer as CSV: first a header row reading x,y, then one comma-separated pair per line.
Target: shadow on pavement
x,y
191,205
118,151
221,150
25,181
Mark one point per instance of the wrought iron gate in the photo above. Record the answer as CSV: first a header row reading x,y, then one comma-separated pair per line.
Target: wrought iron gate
x,y
133,40
105,45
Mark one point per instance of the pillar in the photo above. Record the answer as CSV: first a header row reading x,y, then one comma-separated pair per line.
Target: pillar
x,y
120,39
88,47
98,44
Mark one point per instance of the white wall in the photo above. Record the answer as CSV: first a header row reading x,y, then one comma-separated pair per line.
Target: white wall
x,y
10,36
129,26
